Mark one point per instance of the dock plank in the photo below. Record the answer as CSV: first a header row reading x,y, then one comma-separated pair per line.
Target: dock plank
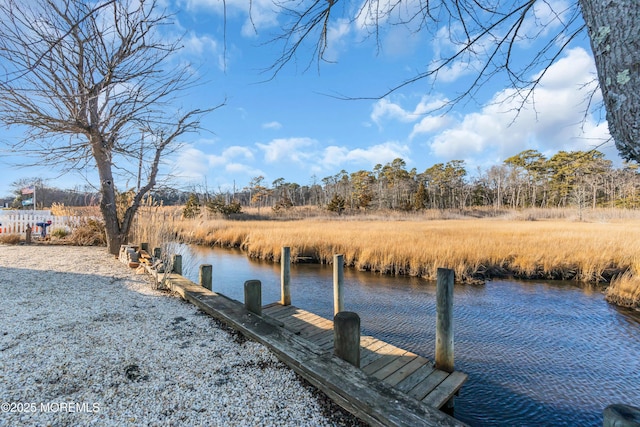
x,y
450,386
369,353
283,312
412,380
403,372
426,386
381,360
394,366
388,355
375,402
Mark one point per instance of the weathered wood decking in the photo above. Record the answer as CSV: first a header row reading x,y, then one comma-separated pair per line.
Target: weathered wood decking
x,y
401,369
393,387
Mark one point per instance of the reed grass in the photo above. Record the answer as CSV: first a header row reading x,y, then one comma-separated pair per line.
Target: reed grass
x,y
10,239
625,290
517,244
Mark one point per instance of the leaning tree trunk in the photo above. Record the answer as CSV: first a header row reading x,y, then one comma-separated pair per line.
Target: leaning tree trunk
x,y
614,31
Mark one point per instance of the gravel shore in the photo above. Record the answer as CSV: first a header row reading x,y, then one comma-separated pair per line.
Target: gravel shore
x,y
85,341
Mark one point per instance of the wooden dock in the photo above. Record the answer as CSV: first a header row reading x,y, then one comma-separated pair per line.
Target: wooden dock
x,y
393,388
401,369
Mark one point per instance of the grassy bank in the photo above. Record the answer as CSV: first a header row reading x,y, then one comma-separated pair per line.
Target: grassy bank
x,y
476,249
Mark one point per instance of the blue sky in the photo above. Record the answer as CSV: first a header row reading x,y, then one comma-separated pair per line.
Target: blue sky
x,y
293,126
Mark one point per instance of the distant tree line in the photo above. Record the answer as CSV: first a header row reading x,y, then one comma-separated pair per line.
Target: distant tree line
x,y
528,179
46,195
583,179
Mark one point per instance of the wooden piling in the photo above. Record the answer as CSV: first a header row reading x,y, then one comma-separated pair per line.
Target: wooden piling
x,y
177,264
338,284
621,416
206,276
346,337
285,276
253,296
444,320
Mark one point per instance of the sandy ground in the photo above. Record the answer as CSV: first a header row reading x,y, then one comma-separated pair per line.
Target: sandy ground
x,y
86,341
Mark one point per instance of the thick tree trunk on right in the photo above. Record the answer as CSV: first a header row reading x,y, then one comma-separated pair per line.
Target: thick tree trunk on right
x,y
614,31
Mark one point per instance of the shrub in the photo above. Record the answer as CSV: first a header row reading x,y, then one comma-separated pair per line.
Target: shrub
x,y
337,204
10,239
90,232
192,208
59,233
219,205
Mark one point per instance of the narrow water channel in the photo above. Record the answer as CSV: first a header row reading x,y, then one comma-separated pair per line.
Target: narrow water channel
x,y
537,353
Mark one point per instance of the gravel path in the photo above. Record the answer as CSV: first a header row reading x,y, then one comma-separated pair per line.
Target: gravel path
x,y
85,341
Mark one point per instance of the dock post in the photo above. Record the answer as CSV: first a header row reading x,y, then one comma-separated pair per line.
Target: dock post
x,y
346,337
157,253
444,320
205,276
621,416
177,264
338,284
144,247
285,276
253,296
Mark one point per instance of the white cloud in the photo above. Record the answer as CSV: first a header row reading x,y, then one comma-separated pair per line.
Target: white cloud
x,y
237,151
272,125
287,149
333,156
239,168
429,124
199,45
553,121
192,163
385,109
336,35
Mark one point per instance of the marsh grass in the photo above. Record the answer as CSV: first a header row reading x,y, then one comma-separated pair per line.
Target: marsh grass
x,y
625,290
534,244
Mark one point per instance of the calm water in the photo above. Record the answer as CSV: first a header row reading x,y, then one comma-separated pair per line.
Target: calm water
x,y
537,354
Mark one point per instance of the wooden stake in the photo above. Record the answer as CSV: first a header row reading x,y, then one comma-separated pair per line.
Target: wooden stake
x,y
346,337
285,276
444,320
253,296
205,276
338,284
177,264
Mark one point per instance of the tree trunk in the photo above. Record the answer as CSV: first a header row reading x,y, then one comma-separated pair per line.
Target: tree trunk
x,y
613,28
108,205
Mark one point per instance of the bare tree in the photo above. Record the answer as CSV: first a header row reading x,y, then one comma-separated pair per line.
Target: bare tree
x,y
486,35
93,84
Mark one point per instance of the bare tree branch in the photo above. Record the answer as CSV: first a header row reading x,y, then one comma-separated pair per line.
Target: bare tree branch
x,y
87,82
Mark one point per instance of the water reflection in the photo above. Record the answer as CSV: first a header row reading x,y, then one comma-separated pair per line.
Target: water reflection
x,y
536,353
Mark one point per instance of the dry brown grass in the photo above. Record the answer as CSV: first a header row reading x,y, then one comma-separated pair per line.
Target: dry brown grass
x,y
589,252
155,225
476,245
9,239
59,209
625,290
88,232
